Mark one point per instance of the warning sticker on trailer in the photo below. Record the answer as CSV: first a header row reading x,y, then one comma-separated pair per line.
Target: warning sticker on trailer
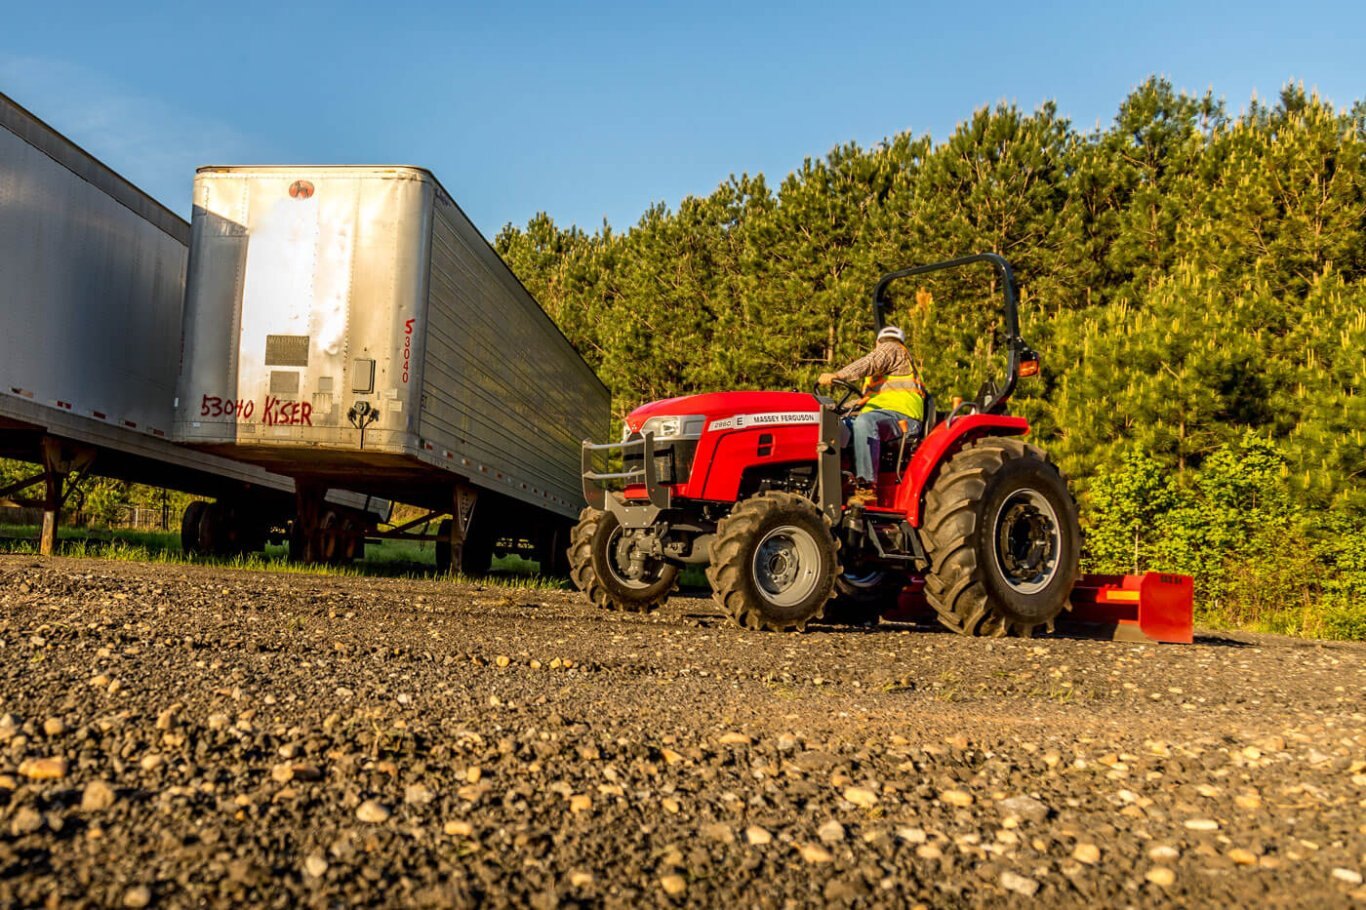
x,y
773,418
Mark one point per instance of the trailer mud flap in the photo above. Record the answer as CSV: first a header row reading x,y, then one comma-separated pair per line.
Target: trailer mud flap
x,y
1152,607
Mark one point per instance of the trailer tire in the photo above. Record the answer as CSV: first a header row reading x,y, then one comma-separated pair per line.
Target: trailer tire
x,y
213,531
189,527
774,562
551,552
593,568
1000,529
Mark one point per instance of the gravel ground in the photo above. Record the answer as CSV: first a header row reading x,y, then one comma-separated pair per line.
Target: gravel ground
x,y
178,737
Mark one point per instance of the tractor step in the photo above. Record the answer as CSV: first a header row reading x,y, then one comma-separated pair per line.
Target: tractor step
x,y
1150,607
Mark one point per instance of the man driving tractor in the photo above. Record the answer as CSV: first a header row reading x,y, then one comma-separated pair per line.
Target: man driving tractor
x,y
892,393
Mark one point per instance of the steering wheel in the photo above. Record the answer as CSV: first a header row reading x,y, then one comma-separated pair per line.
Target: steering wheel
x,y
962,409
843,404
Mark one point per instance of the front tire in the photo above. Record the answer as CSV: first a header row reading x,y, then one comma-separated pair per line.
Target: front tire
x,y
1002,535
773,565
595,565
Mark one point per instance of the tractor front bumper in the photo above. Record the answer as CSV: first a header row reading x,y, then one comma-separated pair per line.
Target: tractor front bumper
x,y
644,467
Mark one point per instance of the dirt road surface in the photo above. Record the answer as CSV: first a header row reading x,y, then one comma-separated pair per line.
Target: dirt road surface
x,y
200,737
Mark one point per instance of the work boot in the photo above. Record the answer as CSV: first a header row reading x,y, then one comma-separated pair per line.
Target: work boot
x,y
864,495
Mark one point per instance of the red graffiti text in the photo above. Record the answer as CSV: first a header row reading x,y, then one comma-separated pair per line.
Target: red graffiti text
x,y
279,413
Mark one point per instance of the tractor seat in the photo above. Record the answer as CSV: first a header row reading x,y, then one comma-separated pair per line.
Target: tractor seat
x,y
908,443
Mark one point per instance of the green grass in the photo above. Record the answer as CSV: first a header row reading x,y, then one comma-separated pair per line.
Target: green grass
x,y
388,558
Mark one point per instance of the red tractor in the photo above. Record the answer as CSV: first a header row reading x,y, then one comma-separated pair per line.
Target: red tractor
x,y
754,485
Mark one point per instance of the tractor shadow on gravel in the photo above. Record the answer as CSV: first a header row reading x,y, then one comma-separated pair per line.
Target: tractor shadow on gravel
x,y
705,619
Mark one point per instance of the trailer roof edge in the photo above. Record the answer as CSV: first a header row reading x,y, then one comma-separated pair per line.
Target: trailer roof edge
x,y
42,136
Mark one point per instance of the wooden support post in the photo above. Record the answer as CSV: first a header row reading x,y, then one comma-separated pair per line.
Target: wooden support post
x,y
52,511
308,519
451,542
60,460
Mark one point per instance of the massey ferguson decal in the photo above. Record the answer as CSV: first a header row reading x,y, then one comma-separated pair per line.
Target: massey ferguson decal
x,y
771,419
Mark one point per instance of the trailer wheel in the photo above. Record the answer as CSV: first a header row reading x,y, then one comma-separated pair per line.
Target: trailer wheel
x,y
331,540
862,595
595,565
1001,532
189,527
353,539
773,564
213,530
551,552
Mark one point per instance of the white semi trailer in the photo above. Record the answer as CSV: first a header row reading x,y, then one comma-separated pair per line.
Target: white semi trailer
x,y
92,278
350,328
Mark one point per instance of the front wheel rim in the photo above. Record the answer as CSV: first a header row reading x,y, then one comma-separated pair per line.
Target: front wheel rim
x,y
615,551
787,566
1028,540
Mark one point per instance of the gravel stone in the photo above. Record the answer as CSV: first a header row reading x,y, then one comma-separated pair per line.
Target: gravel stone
x,y
959,798
418,795
832,832
137,897
26,820
814,853
372,812
1086,853
43,768
1020,884
1161,876
1024,807
861,797
97,797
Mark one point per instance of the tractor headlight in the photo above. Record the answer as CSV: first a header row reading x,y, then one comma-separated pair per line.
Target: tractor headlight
x,y
681,427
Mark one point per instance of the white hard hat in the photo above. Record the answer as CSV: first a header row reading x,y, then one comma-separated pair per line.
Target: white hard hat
x,y
893,333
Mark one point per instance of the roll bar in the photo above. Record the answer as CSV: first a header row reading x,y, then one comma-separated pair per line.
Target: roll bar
x,y
990,399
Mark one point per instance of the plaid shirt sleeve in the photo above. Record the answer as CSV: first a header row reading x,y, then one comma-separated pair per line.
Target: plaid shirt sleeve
x,y
881,361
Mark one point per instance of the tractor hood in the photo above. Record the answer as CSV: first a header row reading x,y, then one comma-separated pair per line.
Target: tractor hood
x,y
732,409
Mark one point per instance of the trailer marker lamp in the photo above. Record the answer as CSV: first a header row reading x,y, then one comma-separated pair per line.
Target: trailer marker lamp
x,y
1029,368
680,427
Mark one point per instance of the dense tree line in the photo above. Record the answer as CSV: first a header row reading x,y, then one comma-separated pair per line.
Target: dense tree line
x,y
1195,281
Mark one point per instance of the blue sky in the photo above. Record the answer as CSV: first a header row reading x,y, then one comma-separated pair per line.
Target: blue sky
x,y
596,110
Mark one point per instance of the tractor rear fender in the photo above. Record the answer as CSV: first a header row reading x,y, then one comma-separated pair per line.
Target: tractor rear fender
x,y
940,445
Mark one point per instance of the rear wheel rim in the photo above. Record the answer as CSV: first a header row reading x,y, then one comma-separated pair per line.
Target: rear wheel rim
x,y
1028,541
787,566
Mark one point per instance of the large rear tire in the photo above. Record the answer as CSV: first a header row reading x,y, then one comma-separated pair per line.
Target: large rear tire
x,y
773,565
595,565
1001,532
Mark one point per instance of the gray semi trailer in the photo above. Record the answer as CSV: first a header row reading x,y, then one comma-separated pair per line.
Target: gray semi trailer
x,y
92,279
350,328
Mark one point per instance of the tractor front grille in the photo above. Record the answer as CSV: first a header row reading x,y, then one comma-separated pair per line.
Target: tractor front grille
x,y
673,460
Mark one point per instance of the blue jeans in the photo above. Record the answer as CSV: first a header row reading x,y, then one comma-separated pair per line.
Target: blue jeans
x,y
870,430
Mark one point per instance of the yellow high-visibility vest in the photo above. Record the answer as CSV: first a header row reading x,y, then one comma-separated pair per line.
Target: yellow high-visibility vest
x,y
903,392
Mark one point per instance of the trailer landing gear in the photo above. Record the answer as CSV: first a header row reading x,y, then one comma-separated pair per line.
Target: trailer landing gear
x,y
61,459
